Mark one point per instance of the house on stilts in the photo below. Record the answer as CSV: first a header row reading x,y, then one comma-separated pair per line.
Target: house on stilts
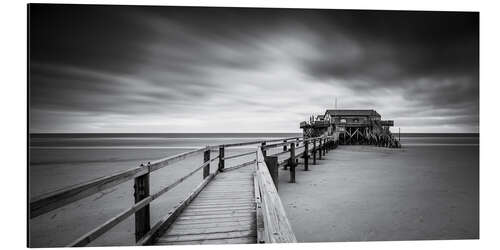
x,y
352,127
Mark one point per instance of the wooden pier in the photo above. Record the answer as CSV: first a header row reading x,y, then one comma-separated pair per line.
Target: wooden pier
x,y
233,204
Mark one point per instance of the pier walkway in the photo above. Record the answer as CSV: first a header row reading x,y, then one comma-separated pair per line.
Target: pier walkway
x,y
233,204
225,212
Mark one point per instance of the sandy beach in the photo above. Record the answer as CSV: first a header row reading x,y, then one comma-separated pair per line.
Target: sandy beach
x,y
357,193
364,193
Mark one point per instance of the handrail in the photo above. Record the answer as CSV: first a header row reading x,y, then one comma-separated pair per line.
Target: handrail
x,y
47,202
256,142
276,227
238,155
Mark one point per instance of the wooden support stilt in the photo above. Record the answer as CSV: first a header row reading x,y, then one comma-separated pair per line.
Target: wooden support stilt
x,y
320,148
306,156
292,163
325,146
314,152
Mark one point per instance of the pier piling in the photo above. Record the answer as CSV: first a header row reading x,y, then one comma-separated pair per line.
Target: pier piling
x,y
306,155
292,163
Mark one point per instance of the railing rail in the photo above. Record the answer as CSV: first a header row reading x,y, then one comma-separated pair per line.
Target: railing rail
x,y
275,227
47,202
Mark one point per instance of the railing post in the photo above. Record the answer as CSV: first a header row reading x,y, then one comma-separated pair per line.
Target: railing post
x,y
296,146
264,153
314,152
221,158
292,163
142,216
272,166
306,155
320,151
206,169
285,148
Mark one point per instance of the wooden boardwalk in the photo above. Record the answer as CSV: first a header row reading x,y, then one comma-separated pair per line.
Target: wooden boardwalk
x,y
233,204
223,213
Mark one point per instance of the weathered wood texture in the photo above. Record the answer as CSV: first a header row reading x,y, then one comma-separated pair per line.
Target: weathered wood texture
x,y
225,212
277,228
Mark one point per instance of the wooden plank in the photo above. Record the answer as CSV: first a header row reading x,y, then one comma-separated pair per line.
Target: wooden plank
x,y
211,230
229,188
208,203
227,204
220,213
226,197
223,235
200,211
240,240
222,198
208,209
212,224
162,225
210,221
192,217
225,191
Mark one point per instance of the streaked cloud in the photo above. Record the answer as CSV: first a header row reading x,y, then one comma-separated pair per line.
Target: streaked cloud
x,y
173,69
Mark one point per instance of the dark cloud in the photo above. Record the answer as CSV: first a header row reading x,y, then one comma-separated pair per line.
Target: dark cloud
x,y
102,68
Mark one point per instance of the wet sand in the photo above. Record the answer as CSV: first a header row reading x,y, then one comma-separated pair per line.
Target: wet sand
x,y
364,193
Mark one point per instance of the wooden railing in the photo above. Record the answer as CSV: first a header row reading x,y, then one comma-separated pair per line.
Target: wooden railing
x,y
272,210
272,224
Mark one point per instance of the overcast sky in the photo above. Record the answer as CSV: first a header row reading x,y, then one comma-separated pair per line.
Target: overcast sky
x,y
173,69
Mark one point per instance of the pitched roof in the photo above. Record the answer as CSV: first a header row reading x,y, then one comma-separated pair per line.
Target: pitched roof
x,y
352,112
